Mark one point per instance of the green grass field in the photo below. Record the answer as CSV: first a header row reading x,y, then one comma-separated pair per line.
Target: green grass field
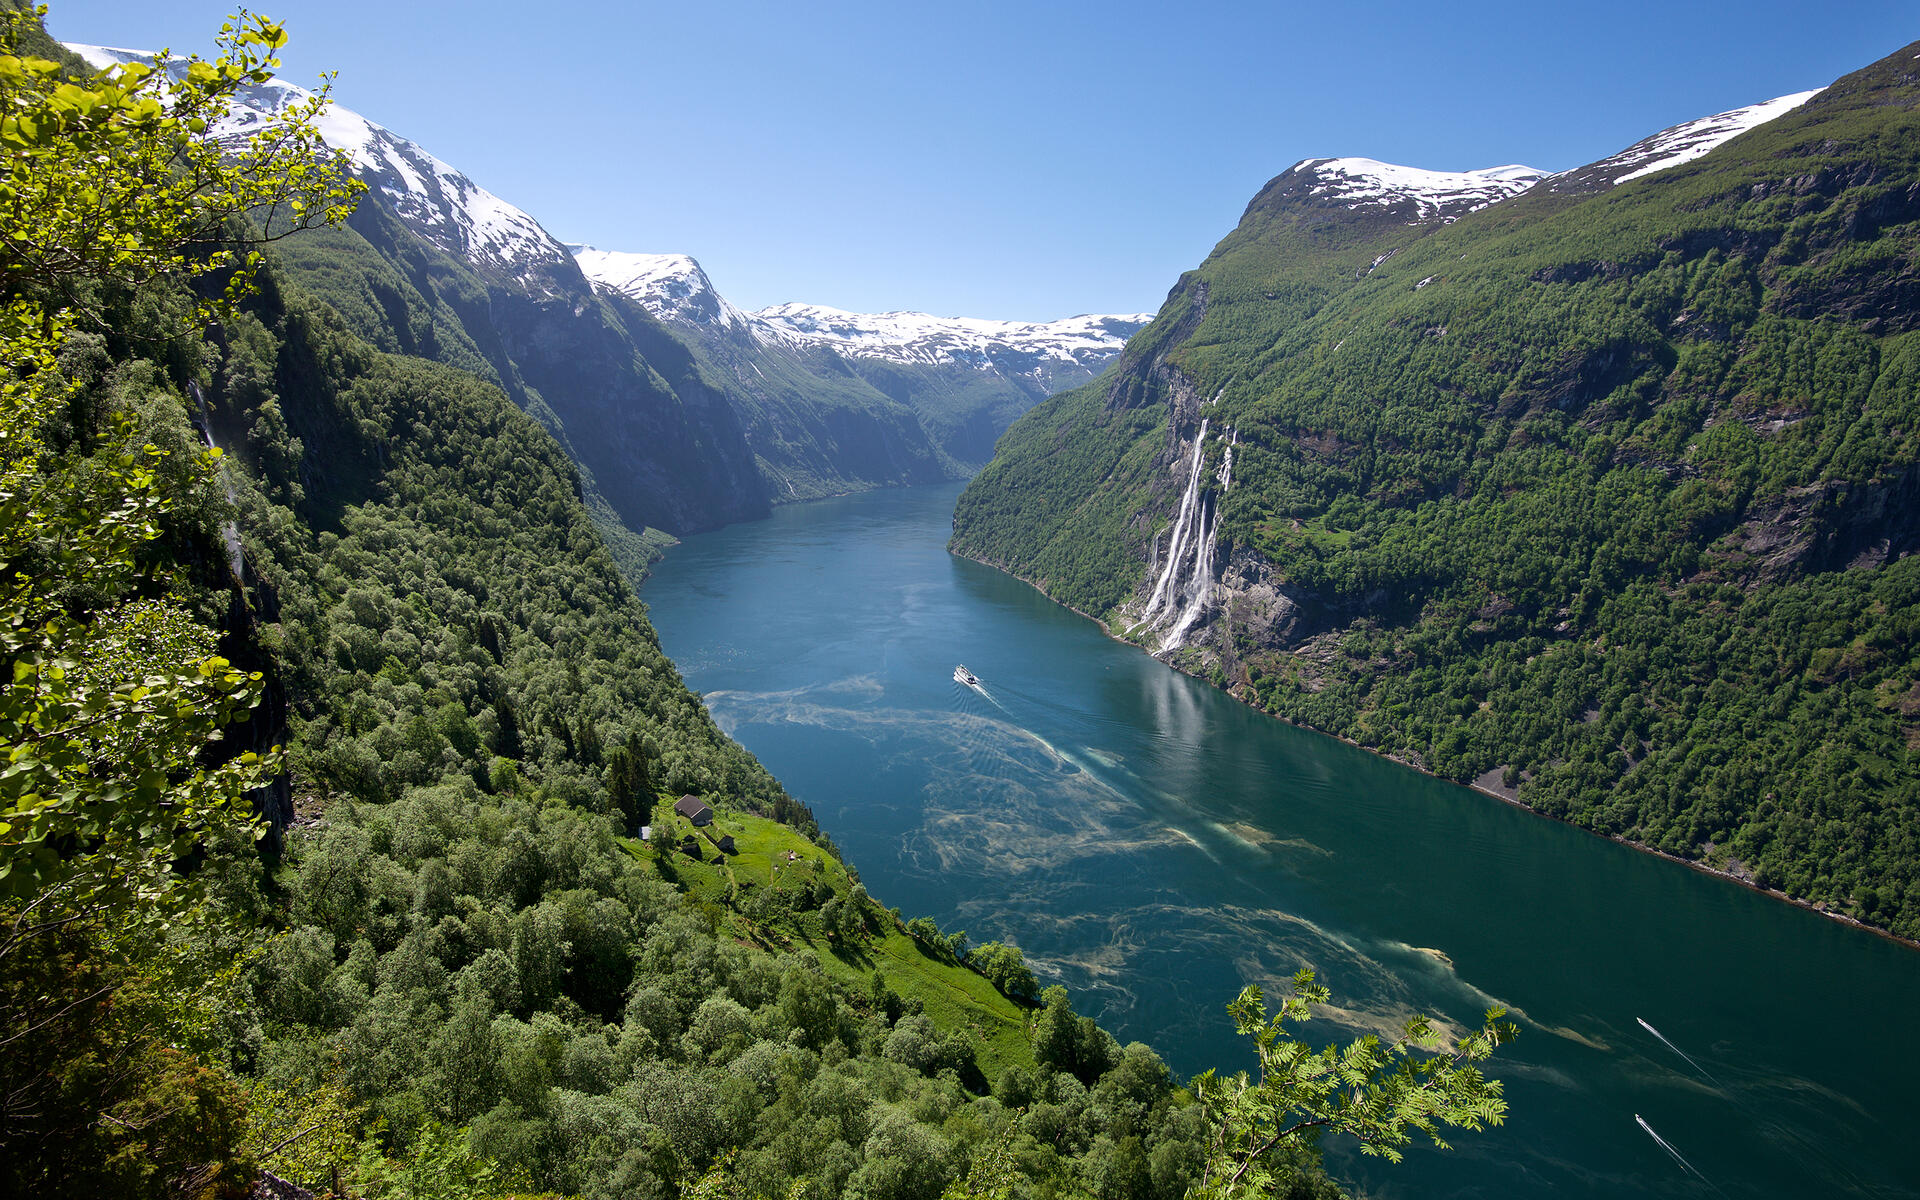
x,y
952,996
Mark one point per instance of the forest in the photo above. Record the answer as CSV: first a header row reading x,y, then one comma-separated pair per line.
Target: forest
x,y
331,722
1604,497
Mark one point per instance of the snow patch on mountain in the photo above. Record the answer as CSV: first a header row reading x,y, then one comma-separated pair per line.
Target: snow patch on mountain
x,y
433,198
914,337
1685,142
672,287
1447,195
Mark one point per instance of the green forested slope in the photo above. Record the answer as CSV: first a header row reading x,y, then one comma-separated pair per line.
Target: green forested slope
x,y
456,977
477,708
384,620
660,447
1612,495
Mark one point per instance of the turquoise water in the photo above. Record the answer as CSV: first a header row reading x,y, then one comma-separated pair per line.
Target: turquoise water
x,y
1154,845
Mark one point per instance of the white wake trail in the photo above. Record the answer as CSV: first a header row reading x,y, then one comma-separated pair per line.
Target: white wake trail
x,y
1677,1050
1668,1147
1807,1152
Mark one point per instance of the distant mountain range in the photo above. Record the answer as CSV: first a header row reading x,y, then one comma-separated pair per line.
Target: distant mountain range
x,y
682,412
833,399
1598,489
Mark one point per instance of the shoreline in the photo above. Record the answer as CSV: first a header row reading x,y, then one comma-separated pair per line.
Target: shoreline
x,y
1514,800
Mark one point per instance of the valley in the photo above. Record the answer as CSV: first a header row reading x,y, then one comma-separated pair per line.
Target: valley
x,y
1583,486
483,720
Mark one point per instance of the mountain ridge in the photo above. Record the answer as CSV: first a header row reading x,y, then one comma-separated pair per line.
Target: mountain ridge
x,y
903,397
676,287
676,423
1460,491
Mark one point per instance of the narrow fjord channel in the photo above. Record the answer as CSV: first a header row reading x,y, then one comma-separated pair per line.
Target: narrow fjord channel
x,y
1154,845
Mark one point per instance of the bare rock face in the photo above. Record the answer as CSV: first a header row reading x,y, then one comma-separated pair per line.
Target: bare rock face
x,y
271,1187
1831,526
1261,613
1254,612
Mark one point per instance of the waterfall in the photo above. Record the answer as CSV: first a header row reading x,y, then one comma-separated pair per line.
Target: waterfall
x,y
1181,595
229,530
1182,524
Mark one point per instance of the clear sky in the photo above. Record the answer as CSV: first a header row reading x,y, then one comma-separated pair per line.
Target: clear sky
x,y
1021,160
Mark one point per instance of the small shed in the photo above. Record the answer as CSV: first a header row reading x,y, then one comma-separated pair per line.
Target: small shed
x,y
691,848
646,833
694,809
725,843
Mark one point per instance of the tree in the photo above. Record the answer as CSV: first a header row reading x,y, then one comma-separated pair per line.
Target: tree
x,y
112,700
1378,1093
124,176
1006,968
628,785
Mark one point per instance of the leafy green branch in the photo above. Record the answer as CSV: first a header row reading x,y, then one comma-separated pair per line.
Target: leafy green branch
x,y
1379,1093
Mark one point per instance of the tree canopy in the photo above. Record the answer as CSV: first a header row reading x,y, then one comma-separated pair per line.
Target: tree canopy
x,y
113,700
1380,1093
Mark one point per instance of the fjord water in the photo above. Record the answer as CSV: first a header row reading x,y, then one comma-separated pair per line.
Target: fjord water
x,y
1154,845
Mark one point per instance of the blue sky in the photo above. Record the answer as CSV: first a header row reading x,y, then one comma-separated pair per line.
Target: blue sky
x,y
1014,160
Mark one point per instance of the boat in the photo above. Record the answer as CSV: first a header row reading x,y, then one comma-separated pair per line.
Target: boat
x,y
962,675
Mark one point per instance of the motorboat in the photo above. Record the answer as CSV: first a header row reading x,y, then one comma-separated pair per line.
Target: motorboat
x,y
962,675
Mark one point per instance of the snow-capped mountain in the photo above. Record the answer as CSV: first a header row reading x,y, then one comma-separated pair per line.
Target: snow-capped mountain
x,y
1686,142
435,200
911,337
1365,183
674,288
685,410
447,270
929,395
1676,145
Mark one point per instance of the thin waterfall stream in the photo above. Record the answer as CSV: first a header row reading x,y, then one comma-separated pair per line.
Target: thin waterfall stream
x,y
1183,593
229,530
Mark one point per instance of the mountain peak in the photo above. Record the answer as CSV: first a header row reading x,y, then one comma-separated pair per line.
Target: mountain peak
x,y
673,287
1359,183
435,200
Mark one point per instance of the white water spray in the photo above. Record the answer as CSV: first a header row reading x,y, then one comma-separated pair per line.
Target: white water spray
x,y
1184,590
1182,527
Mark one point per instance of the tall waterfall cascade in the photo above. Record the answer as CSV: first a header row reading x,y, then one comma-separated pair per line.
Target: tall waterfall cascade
x,y
1183,592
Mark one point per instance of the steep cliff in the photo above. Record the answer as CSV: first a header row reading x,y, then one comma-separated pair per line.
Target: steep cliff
x,y
435,266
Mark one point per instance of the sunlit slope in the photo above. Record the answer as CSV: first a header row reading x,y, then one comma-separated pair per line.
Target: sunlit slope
x,y
1605,491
